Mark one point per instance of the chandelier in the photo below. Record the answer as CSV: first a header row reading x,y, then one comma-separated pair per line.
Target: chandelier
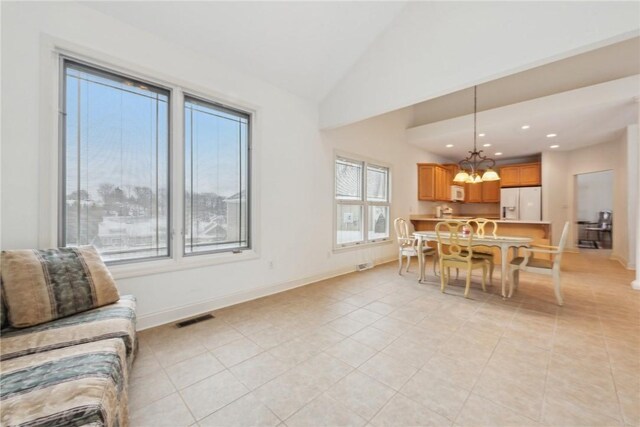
x,y
470,167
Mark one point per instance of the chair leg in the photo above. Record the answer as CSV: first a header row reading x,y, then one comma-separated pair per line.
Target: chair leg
x,y
457,273
436,261
484,277
468,284
491,267
400,263
556,287
443,277
408,262
515,277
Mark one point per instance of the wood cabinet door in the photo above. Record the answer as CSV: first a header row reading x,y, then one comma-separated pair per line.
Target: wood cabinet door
x,y
510,176
440,182
530,174
491,191
473,193
426,182
452,170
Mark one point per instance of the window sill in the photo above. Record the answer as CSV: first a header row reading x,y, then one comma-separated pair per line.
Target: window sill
x,y
126,271
361,246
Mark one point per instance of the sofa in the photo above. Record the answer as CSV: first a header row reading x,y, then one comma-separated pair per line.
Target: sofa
x,y
62,362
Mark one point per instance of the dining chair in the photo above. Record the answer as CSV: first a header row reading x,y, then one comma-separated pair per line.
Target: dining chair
x,y
455,250
541,266
408,245
482,227
603,226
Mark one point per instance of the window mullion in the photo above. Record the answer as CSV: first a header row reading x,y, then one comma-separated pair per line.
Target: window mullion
x,y
177,175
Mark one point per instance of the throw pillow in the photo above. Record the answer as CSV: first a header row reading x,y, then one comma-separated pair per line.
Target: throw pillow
x,y
44,285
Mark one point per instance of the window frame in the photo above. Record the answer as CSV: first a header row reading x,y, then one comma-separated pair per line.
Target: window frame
x,y
364,202
52,52
188,95
62,168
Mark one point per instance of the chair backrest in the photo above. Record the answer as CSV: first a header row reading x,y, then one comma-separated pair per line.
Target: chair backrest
x,y
402,231
561,245
483,226
452,241
605,219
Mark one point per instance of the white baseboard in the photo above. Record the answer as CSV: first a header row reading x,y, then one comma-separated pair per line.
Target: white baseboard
x,y
191,310
623,261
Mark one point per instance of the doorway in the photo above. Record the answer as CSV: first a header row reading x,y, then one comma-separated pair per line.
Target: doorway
x,y
594,210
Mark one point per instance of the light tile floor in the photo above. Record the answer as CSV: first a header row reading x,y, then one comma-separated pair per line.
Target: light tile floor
x,y
375,348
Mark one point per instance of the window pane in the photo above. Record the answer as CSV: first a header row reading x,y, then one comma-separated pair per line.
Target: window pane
x,y
216,177
350,226
377,184
348,179
116,147
378,222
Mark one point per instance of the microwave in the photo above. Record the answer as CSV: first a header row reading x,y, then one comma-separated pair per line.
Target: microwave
x,y
457,193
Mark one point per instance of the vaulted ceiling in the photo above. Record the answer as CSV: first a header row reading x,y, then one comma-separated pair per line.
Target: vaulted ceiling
x,y
302,47
359,59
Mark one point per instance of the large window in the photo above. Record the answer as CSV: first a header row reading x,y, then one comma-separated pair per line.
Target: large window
x,y
115,164
216,177
362,202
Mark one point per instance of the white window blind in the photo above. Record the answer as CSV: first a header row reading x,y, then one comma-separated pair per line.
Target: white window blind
x,y
361,219
216,178
115,164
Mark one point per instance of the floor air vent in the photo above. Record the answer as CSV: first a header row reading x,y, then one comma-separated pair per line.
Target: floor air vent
x,y
194,320
364,266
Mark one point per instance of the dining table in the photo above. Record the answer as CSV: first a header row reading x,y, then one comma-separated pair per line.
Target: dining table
x,y
503,242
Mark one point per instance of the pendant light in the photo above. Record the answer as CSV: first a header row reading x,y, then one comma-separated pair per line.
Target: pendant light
x,y
469,167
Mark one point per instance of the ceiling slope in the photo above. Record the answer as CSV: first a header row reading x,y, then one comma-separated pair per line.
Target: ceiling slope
x,y
302,47
435,48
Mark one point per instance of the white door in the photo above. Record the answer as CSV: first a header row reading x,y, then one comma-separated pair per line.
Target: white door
x,y
509,203
530,204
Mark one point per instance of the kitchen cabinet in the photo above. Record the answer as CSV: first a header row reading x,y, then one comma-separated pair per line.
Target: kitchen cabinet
x,y
484,192
434,182
473,193
491,191
521,175
426,182
530,175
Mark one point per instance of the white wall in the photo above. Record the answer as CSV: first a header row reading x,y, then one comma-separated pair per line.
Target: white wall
x,y
559,193
594,193
294,161
633,150
435,48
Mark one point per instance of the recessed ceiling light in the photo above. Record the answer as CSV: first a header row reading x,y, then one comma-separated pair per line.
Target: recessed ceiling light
x,y
525,127
554,146
551,135
449,145
486,145
481,135
498,154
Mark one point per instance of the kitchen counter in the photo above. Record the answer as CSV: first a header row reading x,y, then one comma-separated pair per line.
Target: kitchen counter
x,y
539,231
465,217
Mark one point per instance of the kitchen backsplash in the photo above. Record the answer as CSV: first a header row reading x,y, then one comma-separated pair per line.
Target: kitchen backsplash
x,y
476,208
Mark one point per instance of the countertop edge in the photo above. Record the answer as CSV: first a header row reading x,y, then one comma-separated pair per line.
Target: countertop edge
x,y
499,221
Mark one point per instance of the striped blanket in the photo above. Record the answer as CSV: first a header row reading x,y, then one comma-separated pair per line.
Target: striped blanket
x,y
116,320
78,385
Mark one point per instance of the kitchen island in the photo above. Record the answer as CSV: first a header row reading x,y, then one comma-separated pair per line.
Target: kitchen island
x,y
539,231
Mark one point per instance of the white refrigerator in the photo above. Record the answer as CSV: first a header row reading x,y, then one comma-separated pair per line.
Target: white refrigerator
x,y
521,204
